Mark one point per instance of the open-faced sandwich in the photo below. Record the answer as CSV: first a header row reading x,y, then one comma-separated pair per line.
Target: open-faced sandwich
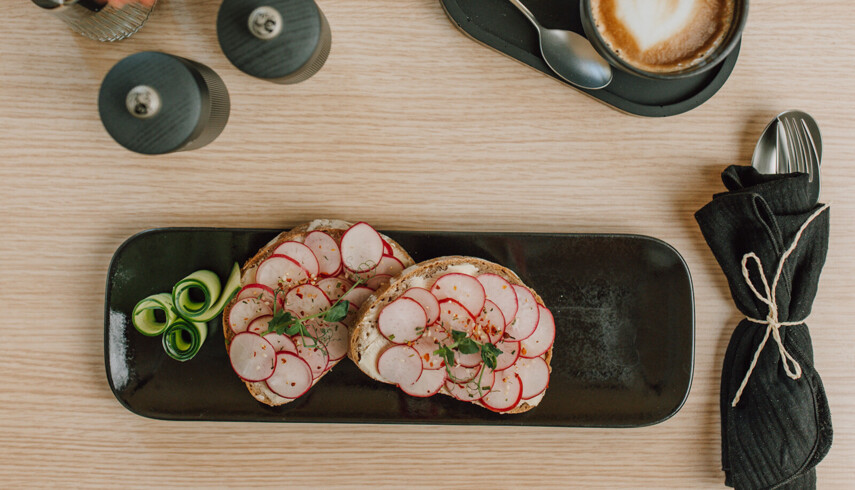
x,y
459,326
288,324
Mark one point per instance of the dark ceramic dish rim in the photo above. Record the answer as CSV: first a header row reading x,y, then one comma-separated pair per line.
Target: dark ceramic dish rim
x,y
670,414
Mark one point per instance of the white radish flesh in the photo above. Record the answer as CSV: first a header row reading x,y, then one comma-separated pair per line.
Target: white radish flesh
x,y
468,360
306,300
462,374
313,352
400,364
462,288
505,394
428,384
280,343
527,315
252,357
357,295
387,249
258,291
334,287
361,248
389,265
378,281
292,377
473,390
534,374
453,316
500,292
280,272
427,300
510,354
334,337
541,340
434,338
491,321
260,325
326,252
402,321
245,311
302,254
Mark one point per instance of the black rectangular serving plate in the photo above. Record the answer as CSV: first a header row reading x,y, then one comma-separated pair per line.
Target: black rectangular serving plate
x,y
623,354
499,25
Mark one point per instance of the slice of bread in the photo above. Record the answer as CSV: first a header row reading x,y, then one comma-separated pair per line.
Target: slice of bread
x,y
367,342
335,229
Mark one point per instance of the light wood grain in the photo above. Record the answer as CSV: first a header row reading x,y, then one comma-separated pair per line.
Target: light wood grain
x,y
410,125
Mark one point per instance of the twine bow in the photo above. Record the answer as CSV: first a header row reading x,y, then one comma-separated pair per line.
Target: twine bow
x,y
773,325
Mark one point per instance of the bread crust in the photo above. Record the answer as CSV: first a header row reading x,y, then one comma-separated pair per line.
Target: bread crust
x,y
335,229
366,320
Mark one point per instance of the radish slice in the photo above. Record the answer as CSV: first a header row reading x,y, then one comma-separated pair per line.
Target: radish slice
x,y
534,374
260,325
389,265
387,249
334,337
469,391
402,321
361,247
427,300
491,321
249,276
428,384
302,254
245,311
326,252
541,340
258,291
505,394
292,376
510,354
357,295
462,288
428,343
252,356
468,360
378,281
313,352
453,316
462,374
527,315
400,364
306,300
280,272
500,292
334,287
281,343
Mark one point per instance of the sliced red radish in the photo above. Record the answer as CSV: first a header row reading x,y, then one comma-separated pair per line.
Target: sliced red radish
x,y
527,315
472,390
260,325
302,254
313,352
400,364
361,248
433,338
280,272
510,354
402,321
462,374
292,376
462,288
258,291
468,360
252,356
506,392
491,321
245,311
333,336
453,316
280,343
541,340
500,292
334,287
428,384
326,252
378,281
306,300
534,374
427,300
248,277
387,249
389,265
357,295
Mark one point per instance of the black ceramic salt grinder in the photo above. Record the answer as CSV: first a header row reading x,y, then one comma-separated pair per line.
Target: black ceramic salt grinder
x,y
155,103
283,41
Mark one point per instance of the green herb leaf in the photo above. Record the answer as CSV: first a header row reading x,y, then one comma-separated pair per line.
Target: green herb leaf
x,y
337,312
467,346
489,352
447,354
282,322
457,335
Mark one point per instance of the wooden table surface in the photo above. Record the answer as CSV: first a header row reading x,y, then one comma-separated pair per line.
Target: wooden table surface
x,y
409,125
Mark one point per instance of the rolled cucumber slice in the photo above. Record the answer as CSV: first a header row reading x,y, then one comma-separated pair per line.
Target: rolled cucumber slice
x,y
183,339
145,317
214,297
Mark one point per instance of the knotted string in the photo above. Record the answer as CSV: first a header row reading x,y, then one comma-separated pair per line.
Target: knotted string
x,y
772,323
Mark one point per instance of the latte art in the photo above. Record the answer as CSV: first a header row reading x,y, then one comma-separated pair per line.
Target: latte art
x,y
663,35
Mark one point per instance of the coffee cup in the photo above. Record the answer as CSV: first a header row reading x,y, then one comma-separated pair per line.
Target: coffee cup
x,y
664,39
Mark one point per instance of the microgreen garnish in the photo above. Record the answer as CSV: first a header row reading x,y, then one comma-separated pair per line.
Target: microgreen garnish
x,y
466,345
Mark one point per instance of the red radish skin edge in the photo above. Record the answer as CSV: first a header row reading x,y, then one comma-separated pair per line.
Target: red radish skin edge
x,y
502,410
308,386
345,244
231,361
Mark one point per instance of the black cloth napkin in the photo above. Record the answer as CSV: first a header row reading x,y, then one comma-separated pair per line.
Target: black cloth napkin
x,y
781,427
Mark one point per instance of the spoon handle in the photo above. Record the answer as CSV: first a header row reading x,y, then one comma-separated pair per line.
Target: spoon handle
x,y
522,8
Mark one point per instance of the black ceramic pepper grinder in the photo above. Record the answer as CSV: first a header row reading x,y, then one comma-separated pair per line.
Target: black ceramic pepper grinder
x,y
283,41
155,103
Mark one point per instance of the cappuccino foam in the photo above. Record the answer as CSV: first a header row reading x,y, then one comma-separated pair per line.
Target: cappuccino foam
x,y
663,35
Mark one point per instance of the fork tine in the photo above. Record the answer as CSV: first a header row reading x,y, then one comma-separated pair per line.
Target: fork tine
x,y
798,146
792,140
813,158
